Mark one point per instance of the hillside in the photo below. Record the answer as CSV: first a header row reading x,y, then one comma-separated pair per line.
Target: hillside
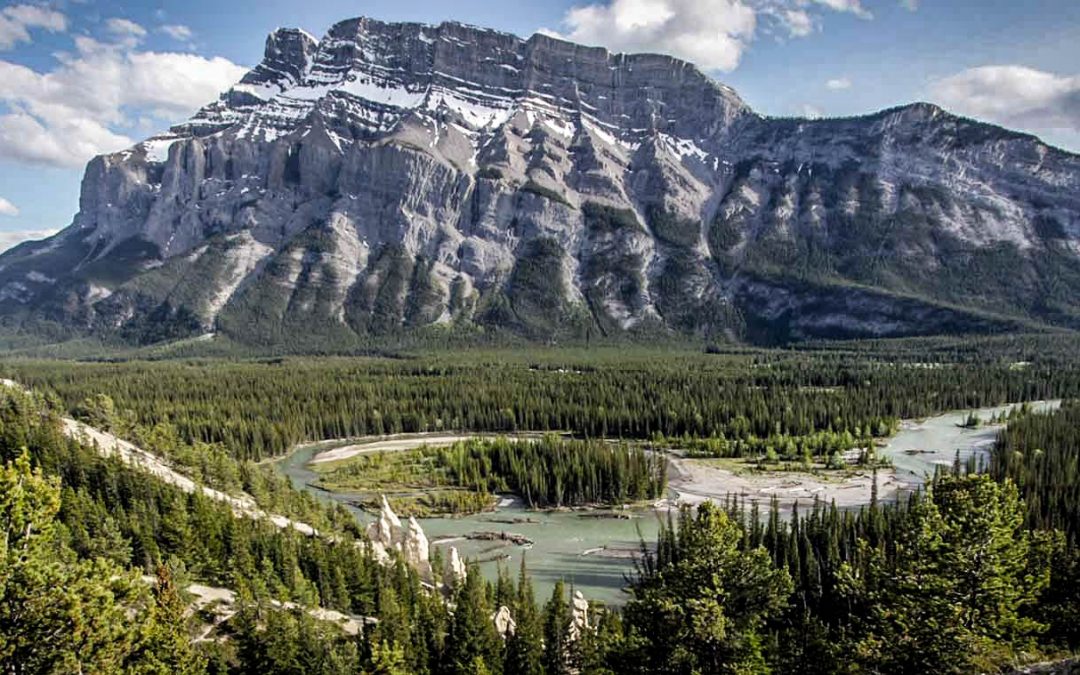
x,y
401,178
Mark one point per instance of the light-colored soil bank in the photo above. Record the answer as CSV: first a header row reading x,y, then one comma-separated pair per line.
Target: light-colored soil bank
x,y
401,442
698,480
109,445
915,451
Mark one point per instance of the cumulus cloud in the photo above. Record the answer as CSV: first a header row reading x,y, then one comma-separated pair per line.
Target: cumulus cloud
x,y
838,84
7,208
711,33
77,110
126,30
16,22
61,141
11,239
1014,96
852,6
177,32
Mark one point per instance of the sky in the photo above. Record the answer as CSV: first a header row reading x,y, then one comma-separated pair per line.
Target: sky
x,y
84,77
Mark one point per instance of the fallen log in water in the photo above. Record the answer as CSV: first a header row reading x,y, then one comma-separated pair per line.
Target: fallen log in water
x,y
519,539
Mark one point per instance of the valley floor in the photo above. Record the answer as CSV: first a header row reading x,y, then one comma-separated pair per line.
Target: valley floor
x,y
697,480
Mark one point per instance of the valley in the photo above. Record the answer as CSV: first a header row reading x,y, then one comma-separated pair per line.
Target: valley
x,y
574,466
594,548
429,349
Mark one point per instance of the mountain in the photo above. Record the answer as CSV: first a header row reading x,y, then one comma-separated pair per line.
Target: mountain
x,y
394,177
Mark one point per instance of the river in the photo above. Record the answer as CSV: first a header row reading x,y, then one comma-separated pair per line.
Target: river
x,y
595,554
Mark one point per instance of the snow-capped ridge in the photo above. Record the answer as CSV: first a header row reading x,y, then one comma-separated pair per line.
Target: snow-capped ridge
x,y
391,176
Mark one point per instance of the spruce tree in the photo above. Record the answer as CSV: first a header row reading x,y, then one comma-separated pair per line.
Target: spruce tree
x,y
700,602
472,637
524,649
557,647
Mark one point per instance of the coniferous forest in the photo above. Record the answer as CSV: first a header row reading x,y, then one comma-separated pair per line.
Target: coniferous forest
x,y
978,572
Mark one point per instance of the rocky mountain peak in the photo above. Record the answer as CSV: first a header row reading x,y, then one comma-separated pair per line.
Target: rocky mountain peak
x,y
394,177
482,75
288,53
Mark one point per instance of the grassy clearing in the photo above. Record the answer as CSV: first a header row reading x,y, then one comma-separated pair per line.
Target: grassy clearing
x,y
414,482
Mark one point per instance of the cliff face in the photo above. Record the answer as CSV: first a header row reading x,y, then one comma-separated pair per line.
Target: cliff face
x,y
394,176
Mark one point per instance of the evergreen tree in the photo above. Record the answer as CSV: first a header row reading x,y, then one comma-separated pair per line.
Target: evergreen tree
x,y
951,598
387,659
166,645
524,649
598,650
558,650
472,638
700,602
57,614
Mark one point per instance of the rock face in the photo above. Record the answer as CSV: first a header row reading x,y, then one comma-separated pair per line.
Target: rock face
x,y
396,177
388,534
505,625
456,570
579,623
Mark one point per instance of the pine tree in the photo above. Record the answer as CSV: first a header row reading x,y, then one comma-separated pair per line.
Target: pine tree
x,y
700,602
524,649
387,659
472,635
165,645
57,614
557,648
952,596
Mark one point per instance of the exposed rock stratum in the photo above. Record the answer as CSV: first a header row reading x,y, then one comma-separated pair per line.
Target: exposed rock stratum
x,y
398,177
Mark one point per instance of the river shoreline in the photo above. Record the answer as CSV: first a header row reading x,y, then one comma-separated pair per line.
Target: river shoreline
x,y
596,554
401,442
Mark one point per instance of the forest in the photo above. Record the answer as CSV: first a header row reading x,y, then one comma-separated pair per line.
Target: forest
x,y
259,408
546,472
978,572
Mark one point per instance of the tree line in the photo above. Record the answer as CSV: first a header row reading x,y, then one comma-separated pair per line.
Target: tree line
x,y
256,410
978,574
556,472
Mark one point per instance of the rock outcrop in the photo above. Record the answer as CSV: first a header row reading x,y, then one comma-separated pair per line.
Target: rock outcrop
x,y
393,177
504,622
387,534
456,571
579,608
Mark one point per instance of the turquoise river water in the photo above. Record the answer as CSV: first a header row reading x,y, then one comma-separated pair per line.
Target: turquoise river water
x,y
596,553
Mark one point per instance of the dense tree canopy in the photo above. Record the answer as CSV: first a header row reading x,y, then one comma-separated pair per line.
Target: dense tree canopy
x,y
979,573
700,602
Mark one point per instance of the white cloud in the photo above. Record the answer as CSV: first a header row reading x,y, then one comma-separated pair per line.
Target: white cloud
x,y
809,111
852,6
10,239
714,34
177,32
1014,96
7,208
64,141
17,20
910,5
798,22
711,34
80,108
838,84
125,28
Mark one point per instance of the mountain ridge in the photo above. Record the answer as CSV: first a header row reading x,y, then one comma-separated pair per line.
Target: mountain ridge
x,y
397,176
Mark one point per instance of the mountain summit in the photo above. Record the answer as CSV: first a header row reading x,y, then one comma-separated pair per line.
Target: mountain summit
x,y
396,177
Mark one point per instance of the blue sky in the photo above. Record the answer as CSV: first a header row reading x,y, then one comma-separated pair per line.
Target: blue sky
x,y
79,77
